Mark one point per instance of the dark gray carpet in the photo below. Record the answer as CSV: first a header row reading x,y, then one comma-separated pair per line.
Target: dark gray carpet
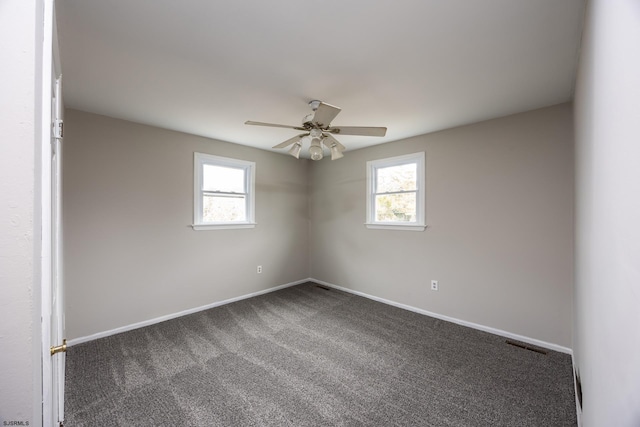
x,y
305,356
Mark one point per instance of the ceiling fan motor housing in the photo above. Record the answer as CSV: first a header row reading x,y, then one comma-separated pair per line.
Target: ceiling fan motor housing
x,y
307,121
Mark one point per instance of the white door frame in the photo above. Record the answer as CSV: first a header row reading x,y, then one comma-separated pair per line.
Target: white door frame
x,y
51,71
57,284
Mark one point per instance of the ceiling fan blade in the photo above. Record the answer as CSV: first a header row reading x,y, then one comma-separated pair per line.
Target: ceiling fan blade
x,y
291,141
273,125
358,130
324,114
329,140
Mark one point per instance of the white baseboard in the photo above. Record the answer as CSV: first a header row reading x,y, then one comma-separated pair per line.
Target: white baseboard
x,y
149,322
491,330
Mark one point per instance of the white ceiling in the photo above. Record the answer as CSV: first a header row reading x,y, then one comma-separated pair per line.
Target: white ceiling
x,y
414,66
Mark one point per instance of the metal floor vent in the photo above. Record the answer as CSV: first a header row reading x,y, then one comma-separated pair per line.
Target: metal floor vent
x,y
526,346
323,287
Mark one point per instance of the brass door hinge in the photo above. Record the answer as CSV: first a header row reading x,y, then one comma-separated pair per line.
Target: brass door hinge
x,y
59,348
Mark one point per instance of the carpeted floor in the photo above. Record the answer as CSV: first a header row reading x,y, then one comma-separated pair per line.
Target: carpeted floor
x,y
306,356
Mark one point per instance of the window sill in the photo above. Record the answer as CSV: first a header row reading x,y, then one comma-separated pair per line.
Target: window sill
x,y
200,227
401,227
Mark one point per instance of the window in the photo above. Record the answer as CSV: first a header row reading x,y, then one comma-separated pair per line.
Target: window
x,y
395,193
224,193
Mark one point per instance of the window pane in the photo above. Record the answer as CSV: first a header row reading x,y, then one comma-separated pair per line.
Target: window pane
x,y
216,208
224,179
396,207
396,178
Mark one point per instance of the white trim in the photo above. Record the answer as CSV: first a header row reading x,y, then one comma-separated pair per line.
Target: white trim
x,y
372,166
381,226
489,329
49,52
150,322
225,226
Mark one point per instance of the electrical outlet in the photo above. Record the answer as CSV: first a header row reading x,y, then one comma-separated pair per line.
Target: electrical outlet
x,y
259,269
434,285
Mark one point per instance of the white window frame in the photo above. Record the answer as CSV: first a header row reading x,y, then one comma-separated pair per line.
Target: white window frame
x,y
202,159
372,167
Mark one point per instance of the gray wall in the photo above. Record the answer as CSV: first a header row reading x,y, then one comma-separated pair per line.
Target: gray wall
x,y
130,254
607,295
499,210
21,34
500,226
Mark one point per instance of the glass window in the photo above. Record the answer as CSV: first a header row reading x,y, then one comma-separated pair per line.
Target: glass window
x,y
223,193
395,196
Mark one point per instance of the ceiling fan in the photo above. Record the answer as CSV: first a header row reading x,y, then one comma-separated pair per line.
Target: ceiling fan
x,y
317,126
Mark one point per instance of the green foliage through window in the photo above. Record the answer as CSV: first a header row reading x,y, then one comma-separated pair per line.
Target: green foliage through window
x,y
395,193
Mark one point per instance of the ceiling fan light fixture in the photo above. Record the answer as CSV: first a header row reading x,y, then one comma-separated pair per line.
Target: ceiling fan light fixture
x,y
315,150
335,152
295,150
